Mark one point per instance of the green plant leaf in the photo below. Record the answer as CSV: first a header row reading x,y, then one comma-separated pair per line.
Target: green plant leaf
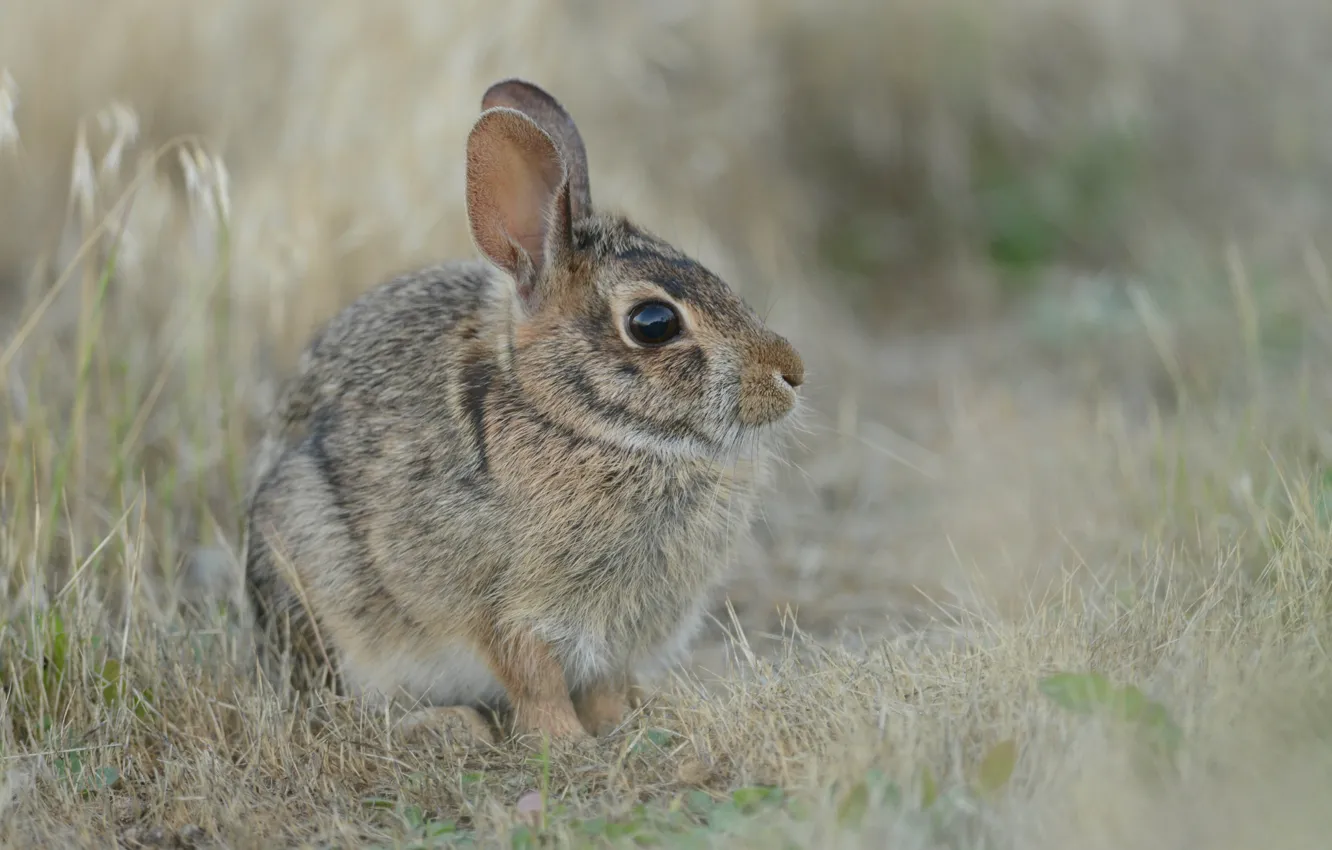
x,y
996,768
661,737
143,703
1080,693
1130,704
658,739
798,809
69,767
929,790
892,795
438,828
593,826
110,675
522,838
103,778
623,829
699,802
750,799
414,816
851,811
724,816
54,650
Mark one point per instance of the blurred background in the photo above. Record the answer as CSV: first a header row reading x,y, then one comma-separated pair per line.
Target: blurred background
x,y
1023,244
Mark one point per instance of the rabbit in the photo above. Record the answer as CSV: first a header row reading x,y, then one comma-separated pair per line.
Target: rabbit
x,y
513,482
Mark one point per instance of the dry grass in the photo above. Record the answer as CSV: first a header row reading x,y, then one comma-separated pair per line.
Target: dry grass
x,y
1127,471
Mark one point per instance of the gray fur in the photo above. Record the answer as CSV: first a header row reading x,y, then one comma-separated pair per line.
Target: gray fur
x,y
448,475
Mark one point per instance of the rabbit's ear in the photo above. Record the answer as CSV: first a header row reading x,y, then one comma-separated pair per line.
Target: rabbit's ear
x,y
518,198
536,103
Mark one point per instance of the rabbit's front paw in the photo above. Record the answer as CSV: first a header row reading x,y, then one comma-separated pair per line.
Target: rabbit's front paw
x,y
535,682
602,706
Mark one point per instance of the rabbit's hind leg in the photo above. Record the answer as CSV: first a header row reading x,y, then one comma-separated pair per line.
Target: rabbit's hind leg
x,y
454,724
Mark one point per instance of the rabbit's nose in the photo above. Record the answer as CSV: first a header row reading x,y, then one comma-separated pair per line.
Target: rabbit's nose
x,y
787,362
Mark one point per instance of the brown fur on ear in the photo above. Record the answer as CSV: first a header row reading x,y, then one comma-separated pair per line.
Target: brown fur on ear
x,y
517,196
538,104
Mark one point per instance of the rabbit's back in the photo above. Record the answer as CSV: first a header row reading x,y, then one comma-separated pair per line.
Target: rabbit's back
x,y
386,346
375,411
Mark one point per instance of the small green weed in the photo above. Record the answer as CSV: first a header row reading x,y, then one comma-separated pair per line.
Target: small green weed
x,y
1156,735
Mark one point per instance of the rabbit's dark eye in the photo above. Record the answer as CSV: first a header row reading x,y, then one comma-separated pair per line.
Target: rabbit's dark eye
x,y
654,323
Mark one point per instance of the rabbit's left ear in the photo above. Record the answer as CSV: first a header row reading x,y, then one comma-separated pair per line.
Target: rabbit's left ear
x,y
518,200
547,113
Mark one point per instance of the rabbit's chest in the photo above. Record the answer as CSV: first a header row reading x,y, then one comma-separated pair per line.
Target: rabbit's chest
x,y
664,543
600,503
618,562
629,590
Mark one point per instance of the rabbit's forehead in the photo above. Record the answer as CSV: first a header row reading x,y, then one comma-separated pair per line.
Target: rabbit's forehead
x,y
632,261
642,273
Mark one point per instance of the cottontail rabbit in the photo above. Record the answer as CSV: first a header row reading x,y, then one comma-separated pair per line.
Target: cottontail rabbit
x,y
515,483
